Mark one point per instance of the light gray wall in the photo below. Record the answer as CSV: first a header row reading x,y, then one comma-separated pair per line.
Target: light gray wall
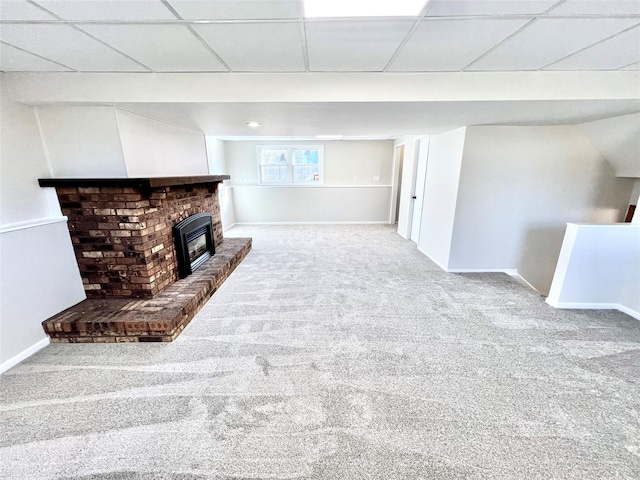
x,y
341,199
519,186
218,166
343,160
618,139
39,272
440,195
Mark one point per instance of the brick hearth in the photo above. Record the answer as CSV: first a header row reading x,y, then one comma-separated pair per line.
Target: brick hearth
x,y
160,319
121,230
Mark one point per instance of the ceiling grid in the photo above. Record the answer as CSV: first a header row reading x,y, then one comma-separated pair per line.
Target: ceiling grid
x,y
273,36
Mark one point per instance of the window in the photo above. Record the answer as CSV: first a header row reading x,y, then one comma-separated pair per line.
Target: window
x,y
291,164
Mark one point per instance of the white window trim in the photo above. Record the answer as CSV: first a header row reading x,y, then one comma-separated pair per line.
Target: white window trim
x,y
290,165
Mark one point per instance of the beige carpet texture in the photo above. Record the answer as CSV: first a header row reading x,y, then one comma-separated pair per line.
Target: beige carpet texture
x,y
339,352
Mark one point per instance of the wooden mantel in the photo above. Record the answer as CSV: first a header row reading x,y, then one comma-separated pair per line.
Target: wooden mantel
x,y
147,183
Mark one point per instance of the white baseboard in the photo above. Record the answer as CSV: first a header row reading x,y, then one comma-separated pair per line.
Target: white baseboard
x,y
381,222
228,227
511,272
594,306
13,361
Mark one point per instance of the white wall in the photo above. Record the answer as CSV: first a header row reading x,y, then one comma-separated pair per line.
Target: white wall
x,y
155,149
519,186
618,139
22,162
39,279
39,272
634,199
82,142
218,166
630,294
599,267
440,195
341,199
93,141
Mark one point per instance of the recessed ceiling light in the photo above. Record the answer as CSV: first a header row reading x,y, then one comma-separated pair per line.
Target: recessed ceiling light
x,y
362,8
254,124
329,137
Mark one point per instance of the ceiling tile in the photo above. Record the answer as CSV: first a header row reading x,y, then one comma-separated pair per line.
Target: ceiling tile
x,y
597,7
611,54
260,47
108,10
21,10
15,60
488,7
450,45
163,48
549,39
66,45
236,10
347,46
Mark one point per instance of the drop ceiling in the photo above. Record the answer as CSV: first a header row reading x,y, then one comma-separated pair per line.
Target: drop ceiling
x,y
219,37
273,36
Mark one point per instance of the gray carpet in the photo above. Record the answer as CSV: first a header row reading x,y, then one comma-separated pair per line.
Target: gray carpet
x,y
339,352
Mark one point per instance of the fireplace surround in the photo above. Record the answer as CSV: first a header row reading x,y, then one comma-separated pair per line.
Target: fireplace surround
x,y
122,231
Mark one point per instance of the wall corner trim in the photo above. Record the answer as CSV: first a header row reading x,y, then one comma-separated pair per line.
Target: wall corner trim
x,y
13,361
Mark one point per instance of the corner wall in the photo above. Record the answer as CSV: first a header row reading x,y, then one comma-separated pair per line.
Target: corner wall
x,y
39,272
81,142
441,192
599,267
519,186
218,166
618,139
152,148
108,142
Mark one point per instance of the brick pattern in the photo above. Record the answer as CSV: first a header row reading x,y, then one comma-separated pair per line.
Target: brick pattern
x,y
122,236
160,319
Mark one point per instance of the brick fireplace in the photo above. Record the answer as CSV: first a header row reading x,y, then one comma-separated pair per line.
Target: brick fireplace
x,y
121,230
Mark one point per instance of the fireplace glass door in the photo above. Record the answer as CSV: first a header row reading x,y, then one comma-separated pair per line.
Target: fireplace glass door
x,y
194,242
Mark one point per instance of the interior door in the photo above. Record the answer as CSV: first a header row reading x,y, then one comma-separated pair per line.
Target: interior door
x,y
418,194
400,160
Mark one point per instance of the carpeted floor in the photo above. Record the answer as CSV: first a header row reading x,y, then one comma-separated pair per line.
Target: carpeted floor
x,y
339,352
